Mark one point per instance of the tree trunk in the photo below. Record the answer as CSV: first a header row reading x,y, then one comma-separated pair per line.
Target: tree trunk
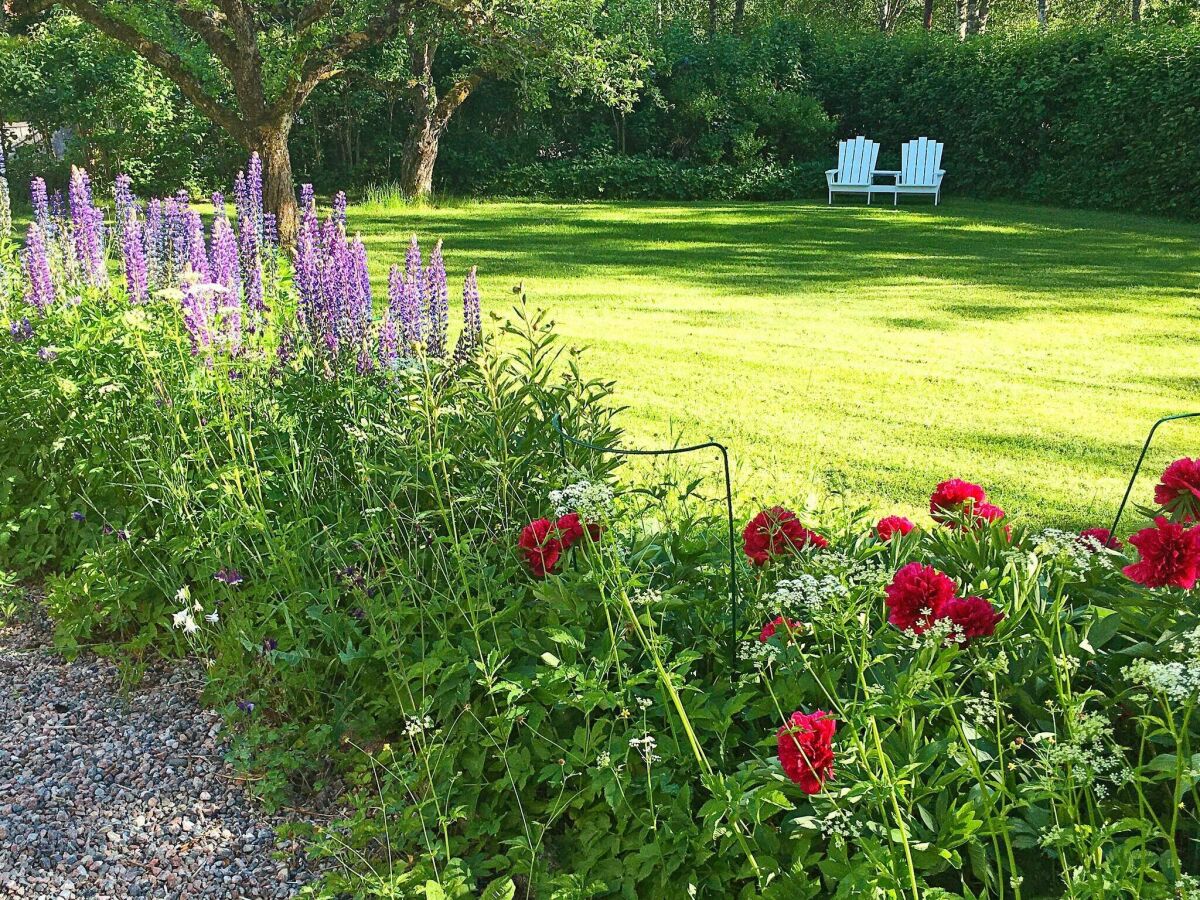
x,y
928,20
962,7
983,9
712,16
1043,13
418,157
279,193
739,11
1135,11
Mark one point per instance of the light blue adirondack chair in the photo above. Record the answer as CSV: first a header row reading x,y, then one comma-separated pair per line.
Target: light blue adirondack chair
x,y
855,168
920,171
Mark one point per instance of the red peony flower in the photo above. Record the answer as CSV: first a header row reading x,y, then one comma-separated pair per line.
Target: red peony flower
x,y
541,546
779,623
1103,537
974,616
776,531
916,596
806,749
951,497
1170,555
889,526
570,529
1178,488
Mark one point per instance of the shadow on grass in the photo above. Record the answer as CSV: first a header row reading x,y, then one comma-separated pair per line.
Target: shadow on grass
x,y
774,248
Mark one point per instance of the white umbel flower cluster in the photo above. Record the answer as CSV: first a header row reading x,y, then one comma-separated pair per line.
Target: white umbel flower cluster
x,y
592,500
804,595
1178,681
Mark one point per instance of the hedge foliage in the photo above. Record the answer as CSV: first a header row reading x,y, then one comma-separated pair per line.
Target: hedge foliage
x,y
1093,117
1097,116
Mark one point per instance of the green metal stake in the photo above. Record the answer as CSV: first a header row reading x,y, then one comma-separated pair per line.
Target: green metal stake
x,y
734,604
1141,459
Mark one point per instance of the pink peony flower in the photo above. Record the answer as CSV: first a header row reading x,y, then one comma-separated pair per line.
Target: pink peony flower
x,y
916,595
806,749
952,497
890,526
1170,555
776,625
774,532
973,616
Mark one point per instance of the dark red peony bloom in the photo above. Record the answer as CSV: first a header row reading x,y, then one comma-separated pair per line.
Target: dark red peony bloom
x,y
1178,488
951,497
541,546
776,531
974,616
570,529
890,526
1170,555
1103,537
778,624
916,596
806,749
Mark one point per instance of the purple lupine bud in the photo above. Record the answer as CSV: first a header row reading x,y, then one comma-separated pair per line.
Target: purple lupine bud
x,y
3,162
229,576
358,292
270,256
178,213
308,203
198,312
154,241
123,203
339,209
78,516
412,261
472,324
87,225
41,205
366,363
39,292
226,273
21,330
389,339
197,253
437,298
6,223
133,255
252,269
47,354
411,326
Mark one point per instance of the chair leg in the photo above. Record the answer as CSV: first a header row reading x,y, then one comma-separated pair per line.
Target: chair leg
x,y
831,198
868,198
895,198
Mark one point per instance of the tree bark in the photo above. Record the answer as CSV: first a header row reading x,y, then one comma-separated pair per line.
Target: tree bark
x,y
928,19
739,11
1043,14
279,193
418,158
1135,11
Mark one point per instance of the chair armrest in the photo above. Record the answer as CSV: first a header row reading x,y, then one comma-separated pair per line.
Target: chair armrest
x,y
894,173
829,173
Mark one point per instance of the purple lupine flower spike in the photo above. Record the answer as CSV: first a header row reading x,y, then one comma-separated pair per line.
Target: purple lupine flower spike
x,y
308,202
389,340
38,275
123,203
339,209
133,255
87,224
472,324
437,303
197,253
5,199
227,275
197,306
41,205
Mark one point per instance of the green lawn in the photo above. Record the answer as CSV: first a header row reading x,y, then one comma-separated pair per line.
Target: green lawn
x,y
877,349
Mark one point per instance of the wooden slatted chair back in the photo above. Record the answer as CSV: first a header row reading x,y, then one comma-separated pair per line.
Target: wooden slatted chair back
x,y
920,160
856,161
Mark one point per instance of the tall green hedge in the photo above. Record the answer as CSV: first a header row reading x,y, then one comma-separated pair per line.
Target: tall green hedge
x,y
1093,117
1099,116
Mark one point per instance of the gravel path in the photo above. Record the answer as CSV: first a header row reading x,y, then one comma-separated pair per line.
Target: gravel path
x,y
111,795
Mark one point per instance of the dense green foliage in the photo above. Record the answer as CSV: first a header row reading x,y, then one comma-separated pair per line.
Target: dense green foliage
x,y
1088,116
1076,116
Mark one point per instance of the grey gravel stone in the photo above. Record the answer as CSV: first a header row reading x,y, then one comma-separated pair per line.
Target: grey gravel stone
x,y
108,794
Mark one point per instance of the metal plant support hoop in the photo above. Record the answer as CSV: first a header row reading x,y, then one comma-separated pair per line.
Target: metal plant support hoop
x,y
1137,468
734,602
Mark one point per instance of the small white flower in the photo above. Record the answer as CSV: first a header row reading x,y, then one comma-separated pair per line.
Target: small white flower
x,y
183,595
179,620
189,625
212,618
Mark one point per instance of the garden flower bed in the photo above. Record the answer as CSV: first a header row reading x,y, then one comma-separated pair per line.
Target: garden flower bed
x,y
515,658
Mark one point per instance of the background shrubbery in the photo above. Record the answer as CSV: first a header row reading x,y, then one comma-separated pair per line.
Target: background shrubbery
x,y
1077,116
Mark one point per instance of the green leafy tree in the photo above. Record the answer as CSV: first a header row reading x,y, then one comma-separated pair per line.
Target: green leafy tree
x,y
250,65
